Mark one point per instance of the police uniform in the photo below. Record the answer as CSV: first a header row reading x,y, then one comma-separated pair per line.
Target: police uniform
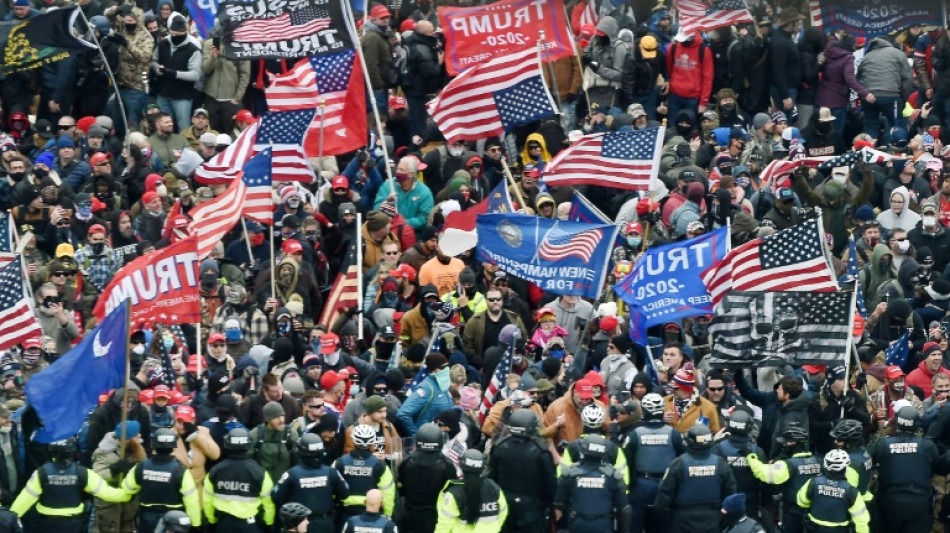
x,y
614,457
651,448
363,474
833,505
493,509
163,484
734,450
791,473
317,489
57,491
693,487
367,523
859,472
587,493
524,469
905,465
421,478
235,493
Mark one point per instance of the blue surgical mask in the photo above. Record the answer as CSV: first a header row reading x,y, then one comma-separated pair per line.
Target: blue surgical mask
x,y
443,378
168,342
315,345
634,241
557,354
233,335
284,327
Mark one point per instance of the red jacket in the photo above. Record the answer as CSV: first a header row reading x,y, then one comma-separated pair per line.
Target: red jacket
x,y
923,378
690,77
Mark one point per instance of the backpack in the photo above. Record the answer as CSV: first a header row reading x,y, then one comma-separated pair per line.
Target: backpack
x,y
284,439
402,63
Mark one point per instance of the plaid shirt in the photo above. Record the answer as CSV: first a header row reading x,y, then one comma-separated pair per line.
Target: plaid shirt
x,y
254,330
97,269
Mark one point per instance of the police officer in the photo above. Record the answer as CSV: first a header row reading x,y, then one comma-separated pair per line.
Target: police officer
x,y
523,467
734,519
849,436
799,466
475,504
833,504
734,450
905,464
695,485
650,449
172,522
295,518
593,416
163,484
57,489
312,483
371,521
590,490
421,478
364,471
237,489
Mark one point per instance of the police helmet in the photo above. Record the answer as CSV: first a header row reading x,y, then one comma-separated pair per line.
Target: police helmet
x,y
907,419
837,460
292,514
176,522
652,405
66,447
848,430
237,440
523,423
740,423
429,438
164,440
593,416
364,436
310,445
794,433
472,462
699,437
593,447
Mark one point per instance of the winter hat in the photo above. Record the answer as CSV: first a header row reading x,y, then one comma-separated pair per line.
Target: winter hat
x,y
46,159
835,373
373,404
283,350
389,285
621,342
865,213
760,120
132,429
450,418
939,289
929,348
470,398
695,192
551,367
346,208
376,221
434,361
832,190
643,379
685,380
177,22
209,264
272,410
311,361
734,503
527,382
65,141
467,275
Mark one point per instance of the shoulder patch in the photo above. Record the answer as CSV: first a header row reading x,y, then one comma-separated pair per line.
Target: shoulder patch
x,y
283,478
421,392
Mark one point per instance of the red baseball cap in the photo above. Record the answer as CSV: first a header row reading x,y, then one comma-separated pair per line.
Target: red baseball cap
x,y
814,369
398,102
584,389
97,229
193,364
633,227
244,116
216,337
340,182
380,12
185,413
609,323
291,246
33,342
893,372
329,343
329,379
162,391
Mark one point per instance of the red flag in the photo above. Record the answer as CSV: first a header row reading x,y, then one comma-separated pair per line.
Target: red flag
x,y
162,285
338,80
212,220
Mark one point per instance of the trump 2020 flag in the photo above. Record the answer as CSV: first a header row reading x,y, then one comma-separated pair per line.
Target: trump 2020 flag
x,y
896,354
492,98
665,284
618,159
559,256
781,328
64,393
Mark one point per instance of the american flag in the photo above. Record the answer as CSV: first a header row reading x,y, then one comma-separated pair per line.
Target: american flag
x,y
696,15
258,201
777,328
896,354
345,291
212,220
7,254
789,260
498,381
491,98
284,132
776,168
558,244
849,158
176,222
17,321
588,16
853,272
814,10
621,159
289,25
168,371
226,166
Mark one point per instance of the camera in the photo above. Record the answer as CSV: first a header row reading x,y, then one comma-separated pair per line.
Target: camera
x,y
49,301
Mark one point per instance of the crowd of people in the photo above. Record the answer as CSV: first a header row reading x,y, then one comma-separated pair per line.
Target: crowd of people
x,y
375,419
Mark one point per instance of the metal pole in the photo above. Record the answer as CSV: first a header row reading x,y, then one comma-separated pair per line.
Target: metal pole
x,y
247,239
115,86
557,96
128,373
359,271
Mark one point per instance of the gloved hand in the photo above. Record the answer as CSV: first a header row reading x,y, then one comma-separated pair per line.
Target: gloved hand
x,y
595,66
119,39
120,467
170,73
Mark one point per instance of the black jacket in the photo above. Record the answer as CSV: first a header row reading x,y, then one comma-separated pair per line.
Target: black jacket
x,y
426,75
786,62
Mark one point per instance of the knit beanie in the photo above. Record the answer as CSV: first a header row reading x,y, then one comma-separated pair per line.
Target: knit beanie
x,y
376,221
685,380
695,192
272,410
374,404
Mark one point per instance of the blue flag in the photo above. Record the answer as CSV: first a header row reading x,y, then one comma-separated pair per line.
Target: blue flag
x,y
560,257
853,272
499,199
666,285
896,354
64,393
584,211
203,13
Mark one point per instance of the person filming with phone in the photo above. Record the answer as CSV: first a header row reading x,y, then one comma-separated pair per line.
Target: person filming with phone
x,y
55,321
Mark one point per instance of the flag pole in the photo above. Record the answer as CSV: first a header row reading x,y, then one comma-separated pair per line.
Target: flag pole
x,y
247,239
847,360
323,109
198,353
115,86
577,57
359,270
128,374
273,287
511,182
555,93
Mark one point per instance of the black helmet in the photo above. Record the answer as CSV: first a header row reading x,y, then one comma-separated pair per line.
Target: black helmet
x,y
593,447
699,437
794,433
237,440
64,447
907,419
176,521
164,440
740,423
292,514
310,445
848,431
472,462
523,423
429,438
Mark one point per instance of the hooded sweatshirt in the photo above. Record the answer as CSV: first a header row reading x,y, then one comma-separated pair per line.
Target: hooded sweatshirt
x,y
906,220
690,76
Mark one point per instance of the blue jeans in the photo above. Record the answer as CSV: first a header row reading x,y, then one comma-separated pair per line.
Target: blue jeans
x,y
648,101
134,101
777,98
567,115
417,115
883,107
677,104
180,110
840,113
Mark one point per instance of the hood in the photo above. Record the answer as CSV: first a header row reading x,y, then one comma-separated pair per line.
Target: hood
x,y
545,198
537,137
684,115
908,269
902,190
609,26
117,238
837,50
813,40
879,43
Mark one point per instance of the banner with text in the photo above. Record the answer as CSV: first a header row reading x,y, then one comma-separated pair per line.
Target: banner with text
x,y
870,19
474,35
666,285
162,285
283,29
559,256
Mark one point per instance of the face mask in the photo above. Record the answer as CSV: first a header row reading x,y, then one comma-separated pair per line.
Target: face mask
x,y
233,335
903,246
929,221
155,213
401,177
839,178
348,342
178,39
384,350
684,130
743,182
31,359
17,176
130,28
443,378
168,342
209,279
315,345
103,195
557,354
516,360
700,330
84,212
138,349
389,300
455,152
293,203
885,266
634,241
98,247
40,172
284,327
257,239
728,107
471,291
161,191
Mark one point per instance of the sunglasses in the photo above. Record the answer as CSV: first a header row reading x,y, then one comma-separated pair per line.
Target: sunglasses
x,y
315,406
104,164
475,166
64,273
493,299
379,389
715,389
66,126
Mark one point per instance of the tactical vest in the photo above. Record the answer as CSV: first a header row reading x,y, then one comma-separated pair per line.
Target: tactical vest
x,y
801,469
745,479
422,477
489,508
862,463
904,464
312,488
830,500
237,480
655,449
62,489
175,88
160,482
590,491
361,474
700,483
366,523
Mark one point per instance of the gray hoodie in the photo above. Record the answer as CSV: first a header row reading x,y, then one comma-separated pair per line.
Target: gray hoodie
x,y
884,71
